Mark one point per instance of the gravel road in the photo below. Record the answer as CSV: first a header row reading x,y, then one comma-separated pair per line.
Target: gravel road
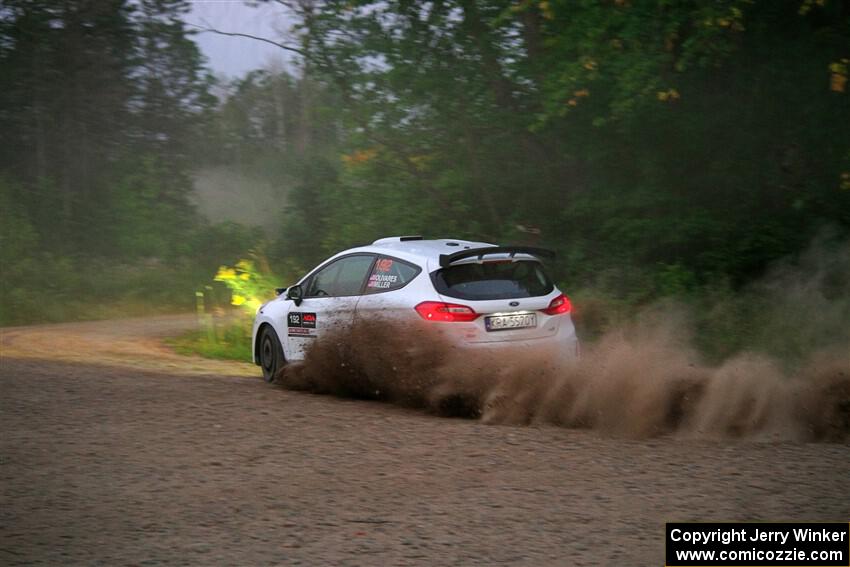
x,y
116,451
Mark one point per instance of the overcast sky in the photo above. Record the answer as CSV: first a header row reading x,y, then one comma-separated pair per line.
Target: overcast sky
x,y
234,56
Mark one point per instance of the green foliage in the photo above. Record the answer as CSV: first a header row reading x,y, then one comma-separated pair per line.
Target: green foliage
x,y
627,53
149,211
100,108
660,146
229,341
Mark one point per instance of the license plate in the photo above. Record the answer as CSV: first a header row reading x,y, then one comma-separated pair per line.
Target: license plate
x,y
509,322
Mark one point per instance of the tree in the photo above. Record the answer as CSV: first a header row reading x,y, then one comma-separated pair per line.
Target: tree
x,y
637,133
92,87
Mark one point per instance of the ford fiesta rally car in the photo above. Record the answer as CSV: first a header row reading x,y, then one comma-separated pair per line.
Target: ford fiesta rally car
x,y
483,295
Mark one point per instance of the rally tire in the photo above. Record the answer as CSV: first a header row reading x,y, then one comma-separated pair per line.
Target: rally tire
x,y
271,354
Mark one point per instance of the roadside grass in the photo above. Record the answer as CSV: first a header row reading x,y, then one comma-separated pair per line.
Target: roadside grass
x,y
50,289
229,340
52,311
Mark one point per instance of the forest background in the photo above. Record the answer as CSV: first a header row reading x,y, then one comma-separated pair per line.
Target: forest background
x,y
683,150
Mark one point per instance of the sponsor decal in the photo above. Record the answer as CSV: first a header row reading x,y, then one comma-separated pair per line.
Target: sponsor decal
x,y
301,324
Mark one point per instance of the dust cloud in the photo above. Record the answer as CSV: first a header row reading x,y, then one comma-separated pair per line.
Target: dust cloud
x,y
640,380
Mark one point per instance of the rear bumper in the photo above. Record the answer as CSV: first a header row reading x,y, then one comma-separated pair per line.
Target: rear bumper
x,y
561,347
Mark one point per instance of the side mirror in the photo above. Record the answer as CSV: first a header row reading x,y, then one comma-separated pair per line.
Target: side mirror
x,y
295,293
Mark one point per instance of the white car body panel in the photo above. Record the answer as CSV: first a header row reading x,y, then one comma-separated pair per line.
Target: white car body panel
x,y
553,333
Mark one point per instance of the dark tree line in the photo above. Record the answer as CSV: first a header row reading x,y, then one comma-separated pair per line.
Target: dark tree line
x,y
100,107
660,147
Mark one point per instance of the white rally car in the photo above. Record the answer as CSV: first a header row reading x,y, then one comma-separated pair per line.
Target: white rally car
x,y
483,294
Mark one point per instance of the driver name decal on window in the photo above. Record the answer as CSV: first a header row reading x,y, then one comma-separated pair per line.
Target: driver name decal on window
x,y
381,281
389,274
301,324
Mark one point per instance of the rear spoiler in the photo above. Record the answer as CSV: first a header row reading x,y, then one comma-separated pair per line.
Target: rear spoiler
x,y
448,259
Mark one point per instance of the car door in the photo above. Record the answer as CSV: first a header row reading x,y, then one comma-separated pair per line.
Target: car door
x,y
330,298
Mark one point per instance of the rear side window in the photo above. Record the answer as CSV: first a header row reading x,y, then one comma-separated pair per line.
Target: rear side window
x,y
389,274
493,280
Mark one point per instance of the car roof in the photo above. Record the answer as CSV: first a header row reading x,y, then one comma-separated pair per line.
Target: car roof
x,y
427,249
417,249
424,252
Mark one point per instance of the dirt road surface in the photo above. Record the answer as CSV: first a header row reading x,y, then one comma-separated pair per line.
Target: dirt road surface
x,y
116,451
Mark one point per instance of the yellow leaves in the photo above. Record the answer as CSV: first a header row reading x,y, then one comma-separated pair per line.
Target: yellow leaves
x,y
546,10
807,6
838,75
589,63
246,283
845,181
242,271
420,162
577,95
359,157
839,67
732,20
225,274
669,95
244,267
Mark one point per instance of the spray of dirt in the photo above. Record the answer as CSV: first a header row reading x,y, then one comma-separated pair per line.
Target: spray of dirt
x,y
641,380
635,382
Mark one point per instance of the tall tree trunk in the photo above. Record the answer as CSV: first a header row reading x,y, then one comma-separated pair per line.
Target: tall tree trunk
x,y
305,124
280,113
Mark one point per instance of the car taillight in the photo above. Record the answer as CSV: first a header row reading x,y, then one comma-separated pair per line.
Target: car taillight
x,y
559,306
450,312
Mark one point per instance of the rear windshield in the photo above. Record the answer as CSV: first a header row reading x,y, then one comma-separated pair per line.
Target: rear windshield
x,y
493,280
